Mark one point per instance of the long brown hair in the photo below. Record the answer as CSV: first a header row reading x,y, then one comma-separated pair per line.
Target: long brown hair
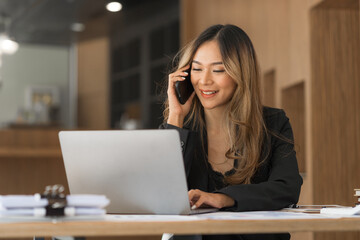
x,y
245,125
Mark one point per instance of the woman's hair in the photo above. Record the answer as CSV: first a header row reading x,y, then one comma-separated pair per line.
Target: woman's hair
x,y
244,115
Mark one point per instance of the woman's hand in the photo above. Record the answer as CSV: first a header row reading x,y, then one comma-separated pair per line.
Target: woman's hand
x,y
199,198
177,112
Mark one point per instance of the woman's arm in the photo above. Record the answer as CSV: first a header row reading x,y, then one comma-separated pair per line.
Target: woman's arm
x,y
200,198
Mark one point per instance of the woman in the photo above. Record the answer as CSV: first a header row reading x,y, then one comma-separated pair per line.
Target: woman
x,y
238,154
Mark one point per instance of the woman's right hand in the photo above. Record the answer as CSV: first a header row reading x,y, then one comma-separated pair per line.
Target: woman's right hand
x,y
177,111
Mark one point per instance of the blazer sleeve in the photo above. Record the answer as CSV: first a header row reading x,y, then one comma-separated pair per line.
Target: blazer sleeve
x,y
187,145
283,185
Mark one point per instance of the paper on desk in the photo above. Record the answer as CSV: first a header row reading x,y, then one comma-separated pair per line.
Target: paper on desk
x,y
35,201
256,215
23,201
150,218
21,219
87,200
259,215
344,211
41,212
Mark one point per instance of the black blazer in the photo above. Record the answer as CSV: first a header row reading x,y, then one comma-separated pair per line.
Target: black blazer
x,y
275,185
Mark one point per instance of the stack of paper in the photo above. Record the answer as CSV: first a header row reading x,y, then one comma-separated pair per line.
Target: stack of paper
x,y
34,205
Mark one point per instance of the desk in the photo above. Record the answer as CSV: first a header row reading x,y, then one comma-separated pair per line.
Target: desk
x,y
104,228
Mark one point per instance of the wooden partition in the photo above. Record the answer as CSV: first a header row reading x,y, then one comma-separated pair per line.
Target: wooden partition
x,y
335,48
293,102
269,88
30,159
93,75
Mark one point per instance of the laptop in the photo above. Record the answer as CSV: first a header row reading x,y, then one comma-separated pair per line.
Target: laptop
x,y
140,171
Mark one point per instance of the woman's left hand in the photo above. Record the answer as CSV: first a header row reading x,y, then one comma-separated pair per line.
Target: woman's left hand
x,y
200,198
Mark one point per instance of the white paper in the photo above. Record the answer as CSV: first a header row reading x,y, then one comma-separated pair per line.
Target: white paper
x,y
19,219
22,201
41,212
87,200
259,215
150,218
345,211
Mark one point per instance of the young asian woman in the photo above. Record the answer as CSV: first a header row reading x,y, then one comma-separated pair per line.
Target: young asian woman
x,y
238,154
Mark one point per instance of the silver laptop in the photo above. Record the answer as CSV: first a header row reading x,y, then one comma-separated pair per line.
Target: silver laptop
x,y
140,171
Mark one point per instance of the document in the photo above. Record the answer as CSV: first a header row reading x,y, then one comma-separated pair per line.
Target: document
x,y
150,218
260,215
310,208
344,211
87,200
255,215
17,206
41,212
22,201
35,201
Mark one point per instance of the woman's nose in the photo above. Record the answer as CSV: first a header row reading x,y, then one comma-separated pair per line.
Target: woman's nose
x,y
205,78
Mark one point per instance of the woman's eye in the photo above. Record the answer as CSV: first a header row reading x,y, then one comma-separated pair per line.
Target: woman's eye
x,y
218,71
196,69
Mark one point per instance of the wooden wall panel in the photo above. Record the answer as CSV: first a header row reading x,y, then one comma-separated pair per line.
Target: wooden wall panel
x,y
93,77
269,88
335,47
293,102
335,97
30,159
30,175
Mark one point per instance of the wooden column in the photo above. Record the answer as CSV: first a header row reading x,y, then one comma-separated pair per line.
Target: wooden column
x,y
93,76
335,65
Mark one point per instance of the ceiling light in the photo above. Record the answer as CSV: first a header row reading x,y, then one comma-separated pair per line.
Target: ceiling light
x,y
77,27
114,6
7,45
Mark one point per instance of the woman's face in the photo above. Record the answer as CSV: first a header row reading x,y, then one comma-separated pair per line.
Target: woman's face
x,y
213,86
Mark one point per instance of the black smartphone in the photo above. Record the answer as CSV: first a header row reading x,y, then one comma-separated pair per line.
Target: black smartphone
x,y
184,88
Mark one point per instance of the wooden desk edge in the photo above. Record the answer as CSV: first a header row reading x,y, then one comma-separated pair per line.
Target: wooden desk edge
x,y
104,228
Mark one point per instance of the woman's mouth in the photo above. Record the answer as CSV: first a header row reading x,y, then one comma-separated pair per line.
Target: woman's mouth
x,y
208,93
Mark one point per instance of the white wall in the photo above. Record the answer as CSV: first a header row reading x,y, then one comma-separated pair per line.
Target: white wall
x,y
33,65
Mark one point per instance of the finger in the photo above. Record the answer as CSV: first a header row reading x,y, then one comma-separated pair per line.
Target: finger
x,y
184,68
193,196
172,81
183,73
199,202
193,193
180,72
177,77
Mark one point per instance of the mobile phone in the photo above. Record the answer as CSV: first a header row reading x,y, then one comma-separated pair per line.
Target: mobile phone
x,y
184,88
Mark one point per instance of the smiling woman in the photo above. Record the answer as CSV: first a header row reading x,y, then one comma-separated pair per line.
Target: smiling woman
x,y
238,154
212,84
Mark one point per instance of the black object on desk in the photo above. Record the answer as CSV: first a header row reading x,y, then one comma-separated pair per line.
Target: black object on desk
x,y
56,200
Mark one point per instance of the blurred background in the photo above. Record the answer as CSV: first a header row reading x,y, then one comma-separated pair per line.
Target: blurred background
x,y
74,64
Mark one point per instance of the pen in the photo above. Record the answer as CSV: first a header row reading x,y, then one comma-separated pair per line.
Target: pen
x,y
293,206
